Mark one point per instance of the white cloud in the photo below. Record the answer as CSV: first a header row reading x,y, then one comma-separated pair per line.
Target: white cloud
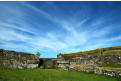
x,y
9,26
90,38
50,42
9,34
46,15
114,39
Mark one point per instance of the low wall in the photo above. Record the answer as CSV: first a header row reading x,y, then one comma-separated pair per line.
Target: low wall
x,y
111,73
19,60
110,59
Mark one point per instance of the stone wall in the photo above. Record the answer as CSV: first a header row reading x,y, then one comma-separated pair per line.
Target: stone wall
x,y
107,72
89,61
110,59
19,60
80,62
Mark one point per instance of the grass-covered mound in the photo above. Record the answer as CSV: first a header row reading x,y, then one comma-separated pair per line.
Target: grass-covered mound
x,y
99,51
49,75
111,65
112,48
115,67
96,51
113,52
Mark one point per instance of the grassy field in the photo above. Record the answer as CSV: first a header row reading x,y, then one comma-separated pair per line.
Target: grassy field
x,y
111,65
49,75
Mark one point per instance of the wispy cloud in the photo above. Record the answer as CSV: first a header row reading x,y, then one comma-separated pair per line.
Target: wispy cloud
x,y
84,34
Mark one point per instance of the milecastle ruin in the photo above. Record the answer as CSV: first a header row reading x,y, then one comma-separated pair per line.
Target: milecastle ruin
x,y
97,61
20,60
106,61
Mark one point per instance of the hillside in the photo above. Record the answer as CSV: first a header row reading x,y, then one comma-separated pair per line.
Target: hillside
x,y
98,51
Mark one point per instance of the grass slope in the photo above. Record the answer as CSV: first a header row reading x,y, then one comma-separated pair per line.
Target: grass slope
x,y
108,50
111,65
49,75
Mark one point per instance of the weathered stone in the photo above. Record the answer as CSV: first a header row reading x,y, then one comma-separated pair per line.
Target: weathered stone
x,y
19,60
91,61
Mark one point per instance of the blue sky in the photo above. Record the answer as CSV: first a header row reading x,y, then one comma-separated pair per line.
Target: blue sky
x,y
54,27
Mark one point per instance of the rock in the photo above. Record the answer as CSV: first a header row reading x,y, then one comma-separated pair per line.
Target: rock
x,y
19,60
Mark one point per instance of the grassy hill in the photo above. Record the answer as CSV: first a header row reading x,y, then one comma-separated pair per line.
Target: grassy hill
x,y
49,75
98,51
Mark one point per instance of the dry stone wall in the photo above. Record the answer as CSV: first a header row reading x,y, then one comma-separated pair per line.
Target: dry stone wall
x,y
107,72
91,62
19,60
110,59
80,62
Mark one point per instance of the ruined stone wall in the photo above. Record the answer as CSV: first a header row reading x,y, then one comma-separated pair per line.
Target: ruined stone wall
x,y
80,62
19,60
62,62
107,72
90,62
110,59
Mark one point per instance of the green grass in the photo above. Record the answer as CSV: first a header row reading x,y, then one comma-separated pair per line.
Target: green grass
x,y
111,65
69,55
113,52
108,50
49,75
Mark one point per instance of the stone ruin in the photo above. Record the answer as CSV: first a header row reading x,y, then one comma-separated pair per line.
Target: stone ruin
x,y
83,61
91,61
20,60
110,59
77,61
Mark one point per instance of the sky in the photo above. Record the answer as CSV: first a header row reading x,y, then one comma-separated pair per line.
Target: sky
x,y
59,27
